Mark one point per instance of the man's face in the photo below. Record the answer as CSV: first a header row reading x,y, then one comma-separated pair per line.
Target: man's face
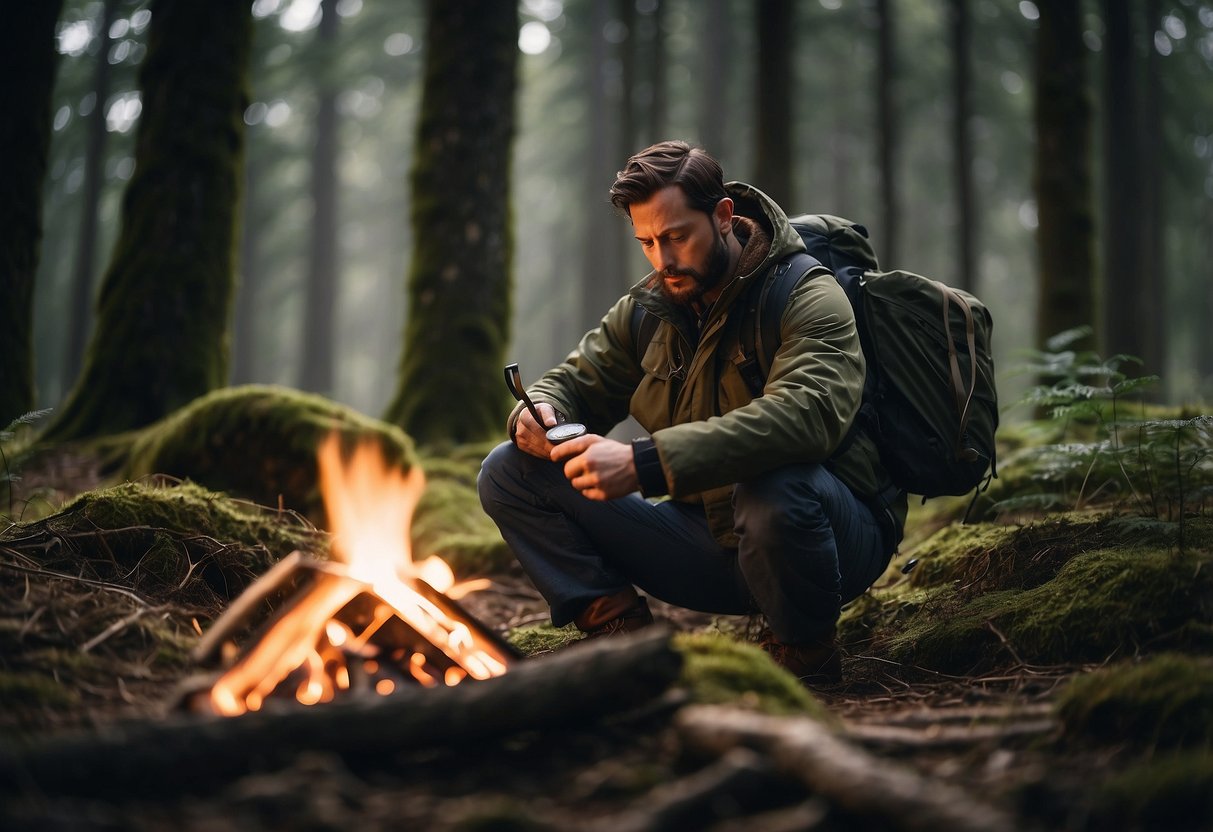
x,y
686,247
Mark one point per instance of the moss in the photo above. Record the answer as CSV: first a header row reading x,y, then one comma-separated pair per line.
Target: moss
x,y
259,443
1174,791
542,638
450,522
36,689
1166,701
717,669
152,537
1099,604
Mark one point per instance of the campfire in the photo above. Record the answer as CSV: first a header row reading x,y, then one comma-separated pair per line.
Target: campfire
x,y
369,621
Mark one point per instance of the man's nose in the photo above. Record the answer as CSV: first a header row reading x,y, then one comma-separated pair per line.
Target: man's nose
x,y
665,259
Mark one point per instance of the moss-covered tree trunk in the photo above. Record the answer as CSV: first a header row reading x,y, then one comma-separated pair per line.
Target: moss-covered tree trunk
x,y
1066,231
161,333
26,80
459,282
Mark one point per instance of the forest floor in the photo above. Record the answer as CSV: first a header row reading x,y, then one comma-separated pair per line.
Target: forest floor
x,y
88,655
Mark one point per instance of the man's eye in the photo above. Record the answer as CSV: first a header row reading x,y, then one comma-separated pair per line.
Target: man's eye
x,y
677,239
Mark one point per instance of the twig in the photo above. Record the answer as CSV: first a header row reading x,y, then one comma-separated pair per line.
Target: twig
x,y
116,627
841,772
77,579
1005,643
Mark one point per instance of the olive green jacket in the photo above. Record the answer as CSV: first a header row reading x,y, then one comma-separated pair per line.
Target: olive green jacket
x,y
687,392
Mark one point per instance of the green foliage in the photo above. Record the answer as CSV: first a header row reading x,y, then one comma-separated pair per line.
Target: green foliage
x,y
9,436
1166,701
1157,464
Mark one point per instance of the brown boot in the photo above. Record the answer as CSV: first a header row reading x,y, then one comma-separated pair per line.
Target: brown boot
x,y
620,612
816,663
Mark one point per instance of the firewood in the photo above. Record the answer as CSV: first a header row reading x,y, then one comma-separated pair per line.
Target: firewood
x,y
841,772
570,687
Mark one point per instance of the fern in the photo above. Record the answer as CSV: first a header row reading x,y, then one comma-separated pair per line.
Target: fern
x,y
1160,465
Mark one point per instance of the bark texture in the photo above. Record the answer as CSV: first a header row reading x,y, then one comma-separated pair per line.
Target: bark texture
x,y
460,279
26,82
1066,231
161,334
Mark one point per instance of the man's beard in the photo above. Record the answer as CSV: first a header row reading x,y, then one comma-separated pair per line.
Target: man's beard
x,y
702,282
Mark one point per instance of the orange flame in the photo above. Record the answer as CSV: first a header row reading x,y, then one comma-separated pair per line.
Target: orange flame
x,y
370,508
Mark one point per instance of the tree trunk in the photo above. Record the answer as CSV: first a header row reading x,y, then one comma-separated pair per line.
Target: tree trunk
x,y
1124,219
966,209
160,338
1152,284
886,131
1065,235
316,353
90,205
713,77
25,93
773,132
244,326
657,50
460,276
603,278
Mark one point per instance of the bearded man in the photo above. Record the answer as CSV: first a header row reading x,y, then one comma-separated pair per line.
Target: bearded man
x,y
769,510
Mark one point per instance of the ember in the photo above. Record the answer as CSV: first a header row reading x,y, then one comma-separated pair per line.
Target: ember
x,y
370,622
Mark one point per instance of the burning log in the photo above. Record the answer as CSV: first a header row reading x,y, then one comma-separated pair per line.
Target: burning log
x,y
574,686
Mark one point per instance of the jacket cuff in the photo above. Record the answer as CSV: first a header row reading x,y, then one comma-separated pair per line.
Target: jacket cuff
x,y
511,424
648,468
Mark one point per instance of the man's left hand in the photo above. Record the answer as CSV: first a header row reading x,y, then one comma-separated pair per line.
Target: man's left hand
x,y
600,468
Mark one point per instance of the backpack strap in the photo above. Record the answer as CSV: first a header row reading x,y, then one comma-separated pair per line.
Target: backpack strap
x,y
962,393
756,353
644,326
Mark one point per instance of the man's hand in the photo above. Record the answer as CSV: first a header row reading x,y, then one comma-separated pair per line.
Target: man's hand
x,y
530,436
600,468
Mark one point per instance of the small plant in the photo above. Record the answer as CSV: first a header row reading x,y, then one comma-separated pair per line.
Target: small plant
x,y
1100,455
8,475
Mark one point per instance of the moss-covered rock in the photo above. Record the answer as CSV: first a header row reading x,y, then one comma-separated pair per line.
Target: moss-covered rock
x,y
1067,589
1100,604
1166,701
259,443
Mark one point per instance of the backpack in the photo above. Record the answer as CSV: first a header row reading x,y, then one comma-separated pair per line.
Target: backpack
x,y
929,401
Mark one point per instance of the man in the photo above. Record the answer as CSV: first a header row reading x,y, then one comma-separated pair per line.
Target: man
x,y
770,510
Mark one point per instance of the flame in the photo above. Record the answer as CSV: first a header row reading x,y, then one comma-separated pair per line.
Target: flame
x,y
370,507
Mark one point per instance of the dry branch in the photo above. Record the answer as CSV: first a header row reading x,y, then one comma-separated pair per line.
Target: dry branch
x,y
572,686
840,772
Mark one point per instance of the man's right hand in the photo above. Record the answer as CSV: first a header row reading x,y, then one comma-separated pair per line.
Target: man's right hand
x,y
532,437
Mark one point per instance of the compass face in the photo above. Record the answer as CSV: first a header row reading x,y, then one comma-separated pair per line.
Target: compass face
x,y
562,433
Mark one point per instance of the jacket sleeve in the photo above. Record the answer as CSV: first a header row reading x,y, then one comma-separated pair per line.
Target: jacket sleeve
x,y
594,384
811,396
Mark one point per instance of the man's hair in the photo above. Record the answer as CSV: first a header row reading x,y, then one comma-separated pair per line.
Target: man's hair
x,y
665,164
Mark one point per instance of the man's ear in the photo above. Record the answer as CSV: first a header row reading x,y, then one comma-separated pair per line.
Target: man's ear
x,y
722,215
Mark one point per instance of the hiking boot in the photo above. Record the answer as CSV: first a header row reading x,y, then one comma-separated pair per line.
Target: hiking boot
x,y
816,663
621,612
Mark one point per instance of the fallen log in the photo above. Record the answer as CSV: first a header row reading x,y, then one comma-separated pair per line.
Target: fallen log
x,y
186,752
945,736
841,772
